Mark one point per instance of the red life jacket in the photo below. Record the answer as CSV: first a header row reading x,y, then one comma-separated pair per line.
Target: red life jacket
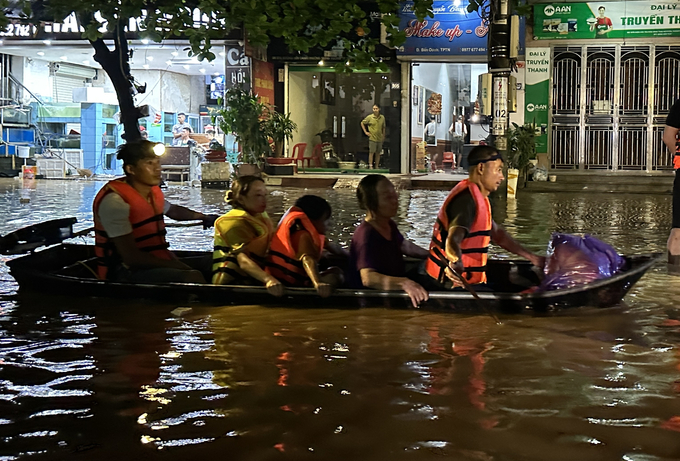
x,y
475,245
282,261
146,218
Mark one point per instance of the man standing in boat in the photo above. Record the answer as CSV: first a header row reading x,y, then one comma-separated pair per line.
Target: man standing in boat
x,y
670,139
464,227
128,219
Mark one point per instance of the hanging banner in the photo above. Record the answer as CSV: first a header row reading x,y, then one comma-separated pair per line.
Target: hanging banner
x,y
537,91
606,20
263,84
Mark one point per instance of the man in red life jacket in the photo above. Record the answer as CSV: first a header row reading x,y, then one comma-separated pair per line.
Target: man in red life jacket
x,y
464,226
670,138
128,220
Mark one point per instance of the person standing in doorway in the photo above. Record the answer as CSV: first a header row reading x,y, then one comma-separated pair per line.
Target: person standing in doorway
x,y
430,136
459,131
178,127
670,139
374,127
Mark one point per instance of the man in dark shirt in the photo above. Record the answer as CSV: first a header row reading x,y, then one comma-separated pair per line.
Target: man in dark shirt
x,y
450,247
670,139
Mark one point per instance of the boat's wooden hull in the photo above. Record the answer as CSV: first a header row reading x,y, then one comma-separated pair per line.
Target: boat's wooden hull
x,y
57,270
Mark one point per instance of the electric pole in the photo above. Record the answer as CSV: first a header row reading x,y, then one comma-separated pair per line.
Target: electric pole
x,y
500,66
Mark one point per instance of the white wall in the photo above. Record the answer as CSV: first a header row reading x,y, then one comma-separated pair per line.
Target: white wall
x,y
304,105
166,91
37,79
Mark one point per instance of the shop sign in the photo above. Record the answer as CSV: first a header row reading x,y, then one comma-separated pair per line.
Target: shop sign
x,y
237,68
263,81
632,19
452,31
70,28
537,91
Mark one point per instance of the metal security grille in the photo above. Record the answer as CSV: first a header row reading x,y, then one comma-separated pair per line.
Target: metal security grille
x,y
600,82
5,69
666,78
566,86
632,148
565,146
598,151
566,107
661,158
634,78
609,106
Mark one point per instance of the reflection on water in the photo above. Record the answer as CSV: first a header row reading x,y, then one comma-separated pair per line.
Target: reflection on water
x,y
98,379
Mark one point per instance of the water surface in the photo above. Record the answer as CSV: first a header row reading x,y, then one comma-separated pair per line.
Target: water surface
x,y
101,379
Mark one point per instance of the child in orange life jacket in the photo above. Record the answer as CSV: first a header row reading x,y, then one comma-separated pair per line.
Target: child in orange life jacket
x,y
298,244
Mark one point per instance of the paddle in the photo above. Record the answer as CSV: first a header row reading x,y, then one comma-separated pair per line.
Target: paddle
x,y
80,233
474,294
52,232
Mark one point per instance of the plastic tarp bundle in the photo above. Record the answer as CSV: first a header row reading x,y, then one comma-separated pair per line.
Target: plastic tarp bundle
x,y
573,260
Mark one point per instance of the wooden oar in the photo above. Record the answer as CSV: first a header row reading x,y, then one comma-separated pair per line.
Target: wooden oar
x,y
80,233
52,232
474,294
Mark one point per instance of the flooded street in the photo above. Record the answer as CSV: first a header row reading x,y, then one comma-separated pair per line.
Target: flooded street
x,y
100,379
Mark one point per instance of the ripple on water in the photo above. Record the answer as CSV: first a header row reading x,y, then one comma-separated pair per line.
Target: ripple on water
x,y
254,382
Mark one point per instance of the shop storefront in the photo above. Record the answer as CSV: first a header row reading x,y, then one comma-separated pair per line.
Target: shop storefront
x,y
601,78
442,60
69,102
330,106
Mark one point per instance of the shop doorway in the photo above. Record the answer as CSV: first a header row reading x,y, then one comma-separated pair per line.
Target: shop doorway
x,y
320,100
443,112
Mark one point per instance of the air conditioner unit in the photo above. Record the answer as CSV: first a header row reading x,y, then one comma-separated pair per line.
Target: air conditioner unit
x,y
71,70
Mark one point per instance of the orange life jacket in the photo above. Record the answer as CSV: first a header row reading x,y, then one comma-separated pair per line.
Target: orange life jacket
x,y
676,157
475,245
146,218
282,261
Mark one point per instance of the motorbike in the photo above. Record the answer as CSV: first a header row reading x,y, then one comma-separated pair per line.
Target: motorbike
x,y
329,158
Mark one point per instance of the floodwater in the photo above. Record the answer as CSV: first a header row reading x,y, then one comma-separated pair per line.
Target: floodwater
x,y
101,379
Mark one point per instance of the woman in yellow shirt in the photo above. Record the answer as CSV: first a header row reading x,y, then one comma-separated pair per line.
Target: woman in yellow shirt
x,y
242,237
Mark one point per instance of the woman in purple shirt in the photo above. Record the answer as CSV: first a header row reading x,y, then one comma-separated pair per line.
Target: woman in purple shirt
x,y
377,249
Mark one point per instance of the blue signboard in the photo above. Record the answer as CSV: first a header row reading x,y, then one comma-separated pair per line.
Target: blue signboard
x,y
452,31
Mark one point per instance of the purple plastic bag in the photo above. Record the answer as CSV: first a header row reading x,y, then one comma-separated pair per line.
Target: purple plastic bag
x,y
573,260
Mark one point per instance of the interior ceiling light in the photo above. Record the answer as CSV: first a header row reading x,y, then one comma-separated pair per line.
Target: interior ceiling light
x,y
201,71
86,62
185,66
63,58
222,53
169,63
175,53
40,53
149,58
146,66
145,41
47,42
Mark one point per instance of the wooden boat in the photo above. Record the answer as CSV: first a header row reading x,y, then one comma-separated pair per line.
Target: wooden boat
x,y
63,269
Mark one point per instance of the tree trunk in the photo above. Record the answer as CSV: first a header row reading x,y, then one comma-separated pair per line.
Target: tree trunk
x,y
116,64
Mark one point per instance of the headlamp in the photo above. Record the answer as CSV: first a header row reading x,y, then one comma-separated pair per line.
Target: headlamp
x,y
159,149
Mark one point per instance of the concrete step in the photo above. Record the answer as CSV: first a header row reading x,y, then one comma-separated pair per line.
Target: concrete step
x,y
653,186
612,178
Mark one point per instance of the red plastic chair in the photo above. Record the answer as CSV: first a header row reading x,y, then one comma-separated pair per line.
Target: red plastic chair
x,y
299,155
448,158
316,154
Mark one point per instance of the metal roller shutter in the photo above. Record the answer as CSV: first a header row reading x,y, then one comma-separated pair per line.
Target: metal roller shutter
x,y
64,85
